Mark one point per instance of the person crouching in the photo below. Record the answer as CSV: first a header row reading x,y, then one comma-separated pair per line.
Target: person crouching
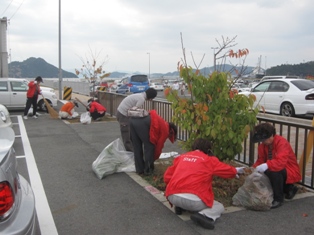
x,y
67,110
96,110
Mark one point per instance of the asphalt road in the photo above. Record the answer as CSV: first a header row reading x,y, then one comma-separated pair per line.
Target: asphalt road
x,y
56,157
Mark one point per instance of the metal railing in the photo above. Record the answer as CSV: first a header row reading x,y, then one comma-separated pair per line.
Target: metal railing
x,y
296,131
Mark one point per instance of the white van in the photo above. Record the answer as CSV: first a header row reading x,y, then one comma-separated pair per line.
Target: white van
x,y
13,94
277,77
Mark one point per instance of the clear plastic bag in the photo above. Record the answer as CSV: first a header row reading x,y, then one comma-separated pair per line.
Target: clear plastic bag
x,y
114,158
85,118
255,194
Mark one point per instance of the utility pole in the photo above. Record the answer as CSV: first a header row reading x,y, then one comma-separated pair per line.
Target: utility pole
x,y
4,69
60,69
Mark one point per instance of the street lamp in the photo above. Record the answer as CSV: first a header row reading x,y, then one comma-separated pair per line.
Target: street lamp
x,y
214,48
60,69
148,65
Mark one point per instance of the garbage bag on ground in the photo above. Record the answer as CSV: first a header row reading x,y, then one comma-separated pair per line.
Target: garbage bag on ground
x,y
255,194
114,158
85,118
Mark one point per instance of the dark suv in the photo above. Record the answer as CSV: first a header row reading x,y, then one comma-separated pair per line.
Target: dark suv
x,y
134,84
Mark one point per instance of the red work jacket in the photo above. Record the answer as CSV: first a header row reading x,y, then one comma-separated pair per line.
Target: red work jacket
x,y
282,157
193,173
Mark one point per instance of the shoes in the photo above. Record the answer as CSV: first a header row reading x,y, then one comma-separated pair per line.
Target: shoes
x,y
25,117
275,204
98,119
178,210
202,220
292,192
35,116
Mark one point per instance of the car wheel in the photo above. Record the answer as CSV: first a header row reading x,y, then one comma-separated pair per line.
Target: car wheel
x,y
287,110
42,105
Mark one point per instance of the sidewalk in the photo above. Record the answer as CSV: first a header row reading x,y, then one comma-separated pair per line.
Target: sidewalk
x,y
294,217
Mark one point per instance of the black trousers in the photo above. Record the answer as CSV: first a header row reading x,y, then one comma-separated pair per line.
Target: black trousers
x,y
278,183
96,115
29,103
143,149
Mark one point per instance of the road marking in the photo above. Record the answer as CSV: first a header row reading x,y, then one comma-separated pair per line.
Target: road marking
x,y
44,215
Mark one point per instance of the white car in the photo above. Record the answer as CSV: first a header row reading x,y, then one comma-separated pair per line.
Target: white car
x,y
13,94
157,86
287,97
17,200
240,87
5,120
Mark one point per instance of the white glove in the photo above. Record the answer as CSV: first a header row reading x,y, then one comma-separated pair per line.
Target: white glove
x,y
240,170
262,168
35,82
134,108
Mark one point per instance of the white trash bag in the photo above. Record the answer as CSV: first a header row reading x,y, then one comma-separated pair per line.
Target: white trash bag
x,y
114,158
85,118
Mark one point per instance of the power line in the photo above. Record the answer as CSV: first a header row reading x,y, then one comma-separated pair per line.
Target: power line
x,y
7,8
17,9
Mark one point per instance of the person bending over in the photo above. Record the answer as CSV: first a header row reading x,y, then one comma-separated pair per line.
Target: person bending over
x,y
148,135
134,100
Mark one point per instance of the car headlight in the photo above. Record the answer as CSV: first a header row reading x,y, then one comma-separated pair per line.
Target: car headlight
x,y
3,117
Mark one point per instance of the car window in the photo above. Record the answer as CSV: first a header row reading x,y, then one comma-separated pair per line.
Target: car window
x,y
18,86
303,85
278,86
139,78
3,86
261,87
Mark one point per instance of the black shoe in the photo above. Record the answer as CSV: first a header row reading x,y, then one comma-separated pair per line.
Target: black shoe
x,y
292,192
275,204
178,210
202,220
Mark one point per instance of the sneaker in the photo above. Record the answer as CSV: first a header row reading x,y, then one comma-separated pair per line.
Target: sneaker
x,y
202,220
275,204
292,192
35,116
25,117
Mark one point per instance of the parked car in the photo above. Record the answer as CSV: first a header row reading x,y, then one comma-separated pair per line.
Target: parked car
x,y
17,201
5,120
134,84
277,77
240,87
13,94
287,97
157,86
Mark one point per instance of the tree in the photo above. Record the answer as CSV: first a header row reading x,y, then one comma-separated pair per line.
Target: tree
x,y
212,110
91,71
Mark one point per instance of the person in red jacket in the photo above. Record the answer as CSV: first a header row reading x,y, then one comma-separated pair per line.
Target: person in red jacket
x,y
96,110
148,136
189,183
278,161
67,110
32,96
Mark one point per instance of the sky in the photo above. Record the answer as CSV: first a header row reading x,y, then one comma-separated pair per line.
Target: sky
x,y
148,36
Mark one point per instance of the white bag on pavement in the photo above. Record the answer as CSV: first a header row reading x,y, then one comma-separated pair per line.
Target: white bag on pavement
x,y
114,158
85,118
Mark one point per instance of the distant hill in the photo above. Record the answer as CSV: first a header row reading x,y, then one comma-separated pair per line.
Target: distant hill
x,y
33,67
302,70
